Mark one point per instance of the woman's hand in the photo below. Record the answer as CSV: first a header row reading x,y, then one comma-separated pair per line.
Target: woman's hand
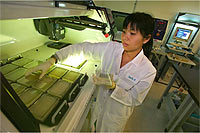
x,y
43,67
109,83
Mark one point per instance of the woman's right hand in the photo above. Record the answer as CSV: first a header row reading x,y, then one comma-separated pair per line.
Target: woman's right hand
x,y
43,67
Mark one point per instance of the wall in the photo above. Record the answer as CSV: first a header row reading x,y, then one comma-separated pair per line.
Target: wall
x,y
164,9
167,9
124,6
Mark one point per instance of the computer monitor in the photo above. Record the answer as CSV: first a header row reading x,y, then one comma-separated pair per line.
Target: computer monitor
x,y
160,28
182,34
119,18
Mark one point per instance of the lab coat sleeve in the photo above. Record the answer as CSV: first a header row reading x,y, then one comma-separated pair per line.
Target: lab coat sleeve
x,y
90,50
136,94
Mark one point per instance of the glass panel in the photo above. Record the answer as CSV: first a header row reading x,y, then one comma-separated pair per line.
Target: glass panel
x,y
71,76
44,83
16,74
32,64
8,68
29,80
22,61
18,88
43,107
30,96
60,88
58,72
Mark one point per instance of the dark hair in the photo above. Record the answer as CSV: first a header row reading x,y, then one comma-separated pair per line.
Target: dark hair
x,y
141,21
145,24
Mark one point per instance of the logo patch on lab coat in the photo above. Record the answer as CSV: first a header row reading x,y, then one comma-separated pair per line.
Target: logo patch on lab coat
x,y
131,78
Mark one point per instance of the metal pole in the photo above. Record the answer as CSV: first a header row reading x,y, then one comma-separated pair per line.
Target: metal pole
x,y
167,89
134,6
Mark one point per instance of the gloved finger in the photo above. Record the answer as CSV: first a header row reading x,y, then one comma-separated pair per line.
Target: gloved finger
x,y
30,71
112,85
94,78
42,74
98,80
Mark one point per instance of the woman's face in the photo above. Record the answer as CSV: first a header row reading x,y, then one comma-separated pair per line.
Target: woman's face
x,y
132,40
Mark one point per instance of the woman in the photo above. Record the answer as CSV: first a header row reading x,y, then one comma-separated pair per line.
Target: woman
x,y
133,73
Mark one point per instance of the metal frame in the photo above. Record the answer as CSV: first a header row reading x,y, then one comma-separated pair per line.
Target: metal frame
x,y
38,9
176,21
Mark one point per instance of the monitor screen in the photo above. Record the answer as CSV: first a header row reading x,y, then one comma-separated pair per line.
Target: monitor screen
x,y
160,28
182,34
119,18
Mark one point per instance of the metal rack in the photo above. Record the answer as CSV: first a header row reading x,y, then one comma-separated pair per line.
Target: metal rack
x,y
190,103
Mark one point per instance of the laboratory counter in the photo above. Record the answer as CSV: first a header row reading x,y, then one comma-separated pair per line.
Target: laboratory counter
x,y
171,58
74,118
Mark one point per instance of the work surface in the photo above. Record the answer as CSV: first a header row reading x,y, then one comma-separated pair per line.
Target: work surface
x,y
75,116
180,59
191,79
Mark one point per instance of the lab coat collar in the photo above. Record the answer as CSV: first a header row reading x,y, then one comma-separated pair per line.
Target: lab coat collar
x,y
137,60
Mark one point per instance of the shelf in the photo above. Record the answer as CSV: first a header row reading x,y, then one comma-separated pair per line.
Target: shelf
x,y
171,110
193,121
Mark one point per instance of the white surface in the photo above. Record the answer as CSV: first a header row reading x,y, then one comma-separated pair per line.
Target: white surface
x,y
6,39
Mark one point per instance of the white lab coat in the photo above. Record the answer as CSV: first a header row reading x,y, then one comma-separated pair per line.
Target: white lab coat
x,y
133,81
